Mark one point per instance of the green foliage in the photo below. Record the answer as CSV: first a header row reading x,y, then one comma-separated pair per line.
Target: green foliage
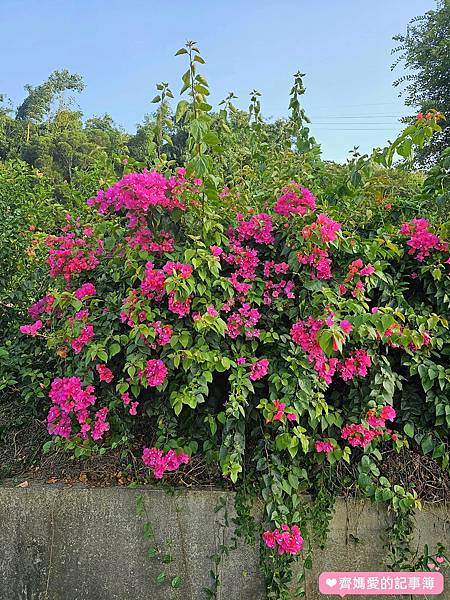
x,y
236,163
425,52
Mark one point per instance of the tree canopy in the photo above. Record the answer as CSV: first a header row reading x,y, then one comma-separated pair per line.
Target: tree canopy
x,y
424,51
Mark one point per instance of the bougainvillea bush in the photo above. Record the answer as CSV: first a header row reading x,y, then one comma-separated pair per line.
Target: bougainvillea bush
x,y
280,331
272,339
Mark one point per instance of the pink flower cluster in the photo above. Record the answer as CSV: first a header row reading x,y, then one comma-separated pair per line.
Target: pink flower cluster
x,y
324,226
136,193
31,329
85,291
104,373
258,228
327,227
101,426
356,364
387,414
153,285
357,267
319,260
177,269
163,333
279,414
288,539
69,255
179,307
86,335
360,436
143,238
259,369
125,397
421,241
246,261
273,289
305,334
155,372
325,447
155,459
45,304
69,398
295,200
244,321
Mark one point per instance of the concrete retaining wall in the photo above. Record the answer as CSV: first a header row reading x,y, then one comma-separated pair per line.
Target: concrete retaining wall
x,y
70,543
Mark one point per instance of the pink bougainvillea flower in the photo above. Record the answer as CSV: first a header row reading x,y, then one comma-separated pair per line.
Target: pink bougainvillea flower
x,y
105,374
269,539
421,241
259,369
133,408
279,407
69,255
86,334
159,463
325,447
126,399
358,435
155,372
388,413
70,399
86,290
295,200
31,329
100,424
287,540
346,326
45,304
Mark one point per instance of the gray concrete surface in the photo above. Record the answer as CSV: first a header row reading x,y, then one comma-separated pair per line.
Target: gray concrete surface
x,y
78,543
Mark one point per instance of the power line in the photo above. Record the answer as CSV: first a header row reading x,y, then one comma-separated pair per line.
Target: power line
x,y
371,116
358,129
364,104
350,123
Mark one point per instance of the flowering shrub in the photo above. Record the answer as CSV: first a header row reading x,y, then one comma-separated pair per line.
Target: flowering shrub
x,y
274,338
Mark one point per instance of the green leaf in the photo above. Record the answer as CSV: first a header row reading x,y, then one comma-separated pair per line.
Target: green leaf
x,y
114,349
404,149
326,341
182,107
181,51
161,577
427,444
409,429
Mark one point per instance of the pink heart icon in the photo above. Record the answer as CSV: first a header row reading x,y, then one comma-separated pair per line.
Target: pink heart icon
x,y
440,559
331,582
431,566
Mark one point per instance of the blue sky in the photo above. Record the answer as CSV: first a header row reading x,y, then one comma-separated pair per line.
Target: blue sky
x,y
123,48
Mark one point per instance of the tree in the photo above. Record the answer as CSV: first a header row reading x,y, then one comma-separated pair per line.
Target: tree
x,y
104,132
38,104
425,52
